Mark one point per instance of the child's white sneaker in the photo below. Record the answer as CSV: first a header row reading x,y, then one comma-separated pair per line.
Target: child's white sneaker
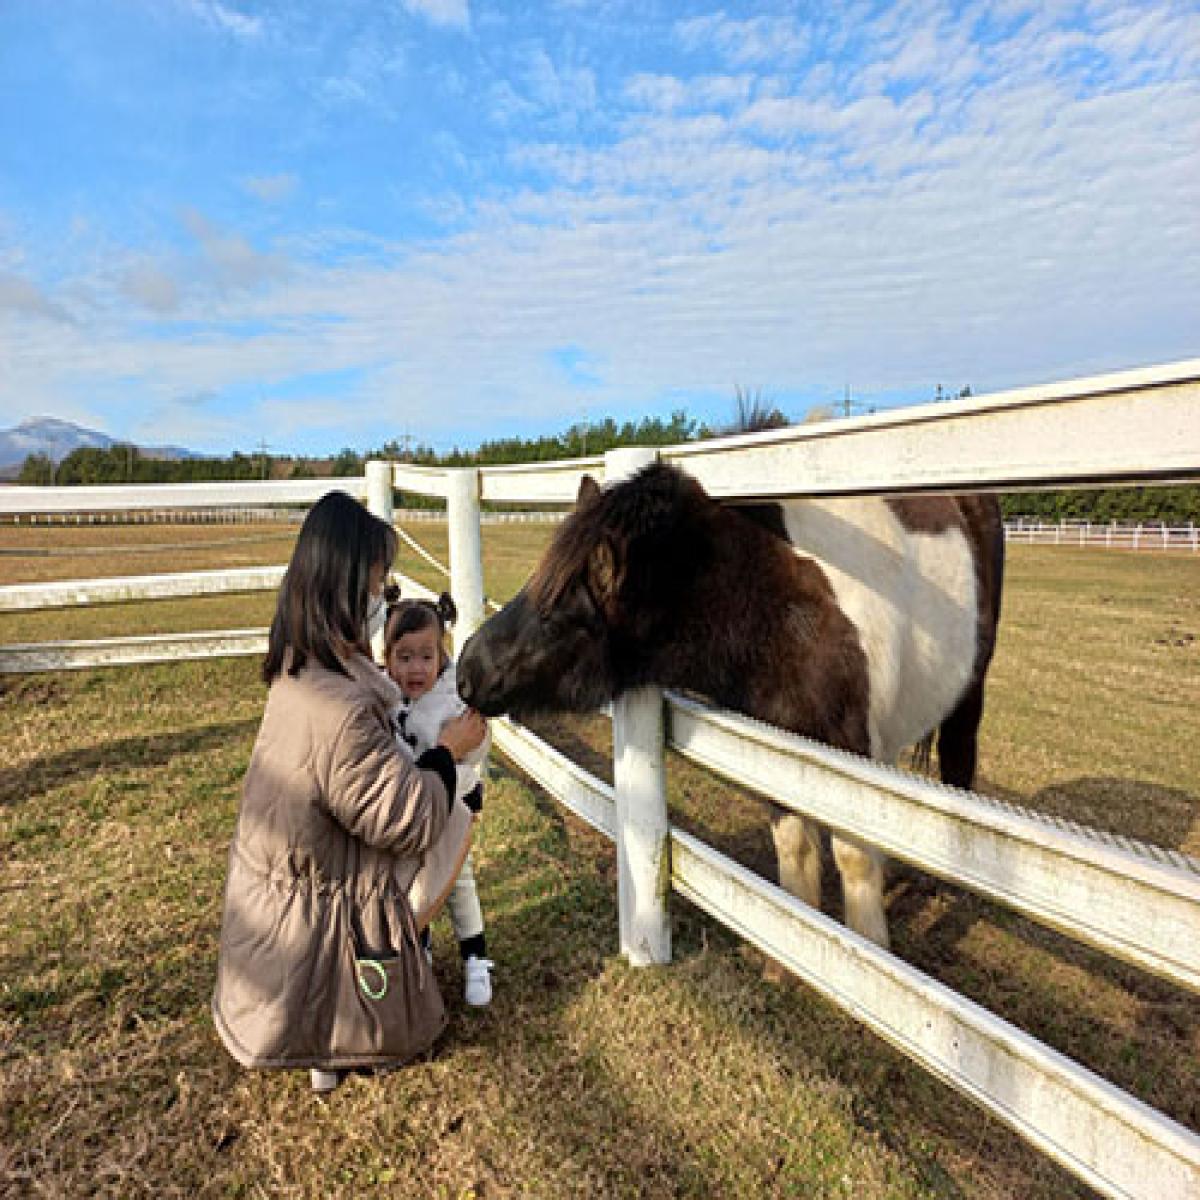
x,y
477,981
324,1082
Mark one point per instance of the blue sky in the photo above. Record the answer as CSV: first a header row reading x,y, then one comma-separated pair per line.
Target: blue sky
x,y
332,224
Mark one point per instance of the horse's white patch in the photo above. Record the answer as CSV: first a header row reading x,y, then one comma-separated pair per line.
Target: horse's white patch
x,y
912,597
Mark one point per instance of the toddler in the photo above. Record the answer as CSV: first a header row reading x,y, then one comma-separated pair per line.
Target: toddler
x,y
416,659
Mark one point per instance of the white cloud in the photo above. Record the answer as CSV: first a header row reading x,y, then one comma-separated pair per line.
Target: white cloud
x,y
233,262
225,19
270,189
563,88
152,287
447,14
756,40
22,297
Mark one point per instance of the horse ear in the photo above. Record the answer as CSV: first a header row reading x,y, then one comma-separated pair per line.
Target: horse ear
x,y
605,572
589,489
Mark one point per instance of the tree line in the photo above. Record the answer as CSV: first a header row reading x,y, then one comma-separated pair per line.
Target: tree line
x,y
126,464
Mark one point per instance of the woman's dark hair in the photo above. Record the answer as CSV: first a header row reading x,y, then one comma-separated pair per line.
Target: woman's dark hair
x,y
409,616
325,594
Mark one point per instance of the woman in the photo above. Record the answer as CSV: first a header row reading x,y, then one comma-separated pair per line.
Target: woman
x,y
344,848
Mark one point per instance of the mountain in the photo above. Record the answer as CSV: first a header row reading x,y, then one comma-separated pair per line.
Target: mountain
x,y
48,435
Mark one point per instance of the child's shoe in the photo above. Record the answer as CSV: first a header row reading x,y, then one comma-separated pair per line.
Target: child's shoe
x,y
324,1082
477,981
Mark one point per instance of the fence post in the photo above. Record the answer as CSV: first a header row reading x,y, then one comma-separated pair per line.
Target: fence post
x,y
380,502
466,551
643,834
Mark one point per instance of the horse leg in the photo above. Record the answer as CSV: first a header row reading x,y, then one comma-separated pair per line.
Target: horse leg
x,y
798,853
958,739
861,869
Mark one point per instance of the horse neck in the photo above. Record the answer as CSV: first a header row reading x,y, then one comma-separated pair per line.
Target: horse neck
x,y
727,625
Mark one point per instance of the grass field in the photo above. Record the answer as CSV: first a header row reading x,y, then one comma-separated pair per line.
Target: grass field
x,y
118,791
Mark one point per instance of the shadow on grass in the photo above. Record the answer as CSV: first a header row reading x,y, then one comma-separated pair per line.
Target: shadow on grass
x,y
1130,1027
566,1108
43,775
791,1023
1133,808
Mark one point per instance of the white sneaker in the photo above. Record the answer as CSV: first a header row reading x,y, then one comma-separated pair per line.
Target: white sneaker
x,y
477,981
324,1082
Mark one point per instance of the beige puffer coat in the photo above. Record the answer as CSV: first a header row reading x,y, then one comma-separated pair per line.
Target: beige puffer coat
x,y
339,839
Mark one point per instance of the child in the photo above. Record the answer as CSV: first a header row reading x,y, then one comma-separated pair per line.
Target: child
x,y
416,659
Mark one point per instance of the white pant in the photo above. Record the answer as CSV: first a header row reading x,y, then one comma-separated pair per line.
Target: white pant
x,y
463,904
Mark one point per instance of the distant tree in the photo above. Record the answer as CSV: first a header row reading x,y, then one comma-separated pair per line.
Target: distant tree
x,y
963,393
1169,505
347,463
89,465
756,412
37,471
579,441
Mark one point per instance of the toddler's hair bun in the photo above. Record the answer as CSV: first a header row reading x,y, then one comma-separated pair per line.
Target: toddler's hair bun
x,y
446,609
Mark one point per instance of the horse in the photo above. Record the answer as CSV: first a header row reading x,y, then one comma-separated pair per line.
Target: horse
x,y
864,623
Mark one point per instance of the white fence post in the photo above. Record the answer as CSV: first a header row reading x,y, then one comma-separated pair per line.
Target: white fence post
x,y
380,502
643,835
466,552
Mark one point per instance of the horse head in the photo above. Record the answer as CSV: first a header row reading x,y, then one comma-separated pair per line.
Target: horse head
x,y
595,616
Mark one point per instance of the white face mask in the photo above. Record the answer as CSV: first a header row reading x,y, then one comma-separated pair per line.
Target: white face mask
x,y
376,616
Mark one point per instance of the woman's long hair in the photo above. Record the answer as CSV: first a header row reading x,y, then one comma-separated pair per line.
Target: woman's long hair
x,y
325,594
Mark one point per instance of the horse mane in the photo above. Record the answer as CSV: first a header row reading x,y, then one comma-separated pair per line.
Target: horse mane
x,y
646,502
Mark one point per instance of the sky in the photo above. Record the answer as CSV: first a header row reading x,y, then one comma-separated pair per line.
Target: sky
x,y
317,225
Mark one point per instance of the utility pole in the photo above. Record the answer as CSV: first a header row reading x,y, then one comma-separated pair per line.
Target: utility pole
x,y
262,457
846,402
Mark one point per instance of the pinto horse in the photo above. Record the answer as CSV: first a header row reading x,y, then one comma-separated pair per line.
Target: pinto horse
x,y
867,624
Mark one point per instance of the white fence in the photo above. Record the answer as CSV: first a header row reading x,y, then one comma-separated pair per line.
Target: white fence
x,y
1112,535
1139,903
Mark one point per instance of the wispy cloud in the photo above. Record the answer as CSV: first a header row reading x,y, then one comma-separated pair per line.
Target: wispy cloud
x,y
225,19
22,297
448,14
232,260
153,288
746,42
270,189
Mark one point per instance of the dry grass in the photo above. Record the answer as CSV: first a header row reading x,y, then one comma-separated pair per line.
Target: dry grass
x,y
117,795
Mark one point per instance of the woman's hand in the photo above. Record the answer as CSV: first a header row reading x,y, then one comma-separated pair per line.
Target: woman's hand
x,y
463,733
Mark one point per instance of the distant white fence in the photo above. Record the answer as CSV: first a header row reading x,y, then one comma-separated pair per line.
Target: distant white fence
x,y
244,516
162,516
1139,903
1111,536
